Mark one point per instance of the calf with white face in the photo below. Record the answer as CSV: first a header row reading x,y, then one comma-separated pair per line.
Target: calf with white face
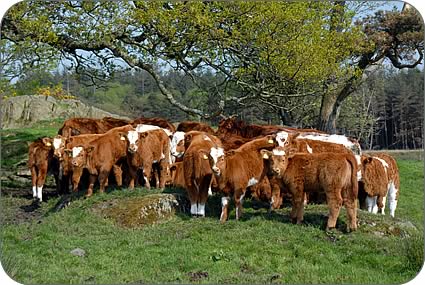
x,y
59,143
146,149
177,144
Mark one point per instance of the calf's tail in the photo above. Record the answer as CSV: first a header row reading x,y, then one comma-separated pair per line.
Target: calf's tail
x,y
354,182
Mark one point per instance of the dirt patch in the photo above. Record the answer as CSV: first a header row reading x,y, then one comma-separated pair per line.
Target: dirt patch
x,y
18,205
197,276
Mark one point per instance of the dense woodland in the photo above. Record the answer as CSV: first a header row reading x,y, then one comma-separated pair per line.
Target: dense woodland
x,y
386,112
341,67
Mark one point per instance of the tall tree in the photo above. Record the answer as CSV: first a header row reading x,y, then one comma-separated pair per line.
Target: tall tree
x,y
281,55
263,49
392,35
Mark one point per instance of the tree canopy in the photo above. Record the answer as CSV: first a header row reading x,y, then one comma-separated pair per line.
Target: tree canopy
x,y
283,55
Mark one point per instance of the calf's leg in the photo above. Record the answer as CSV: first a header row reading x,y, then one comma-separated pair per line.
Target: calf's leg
x,y
297,212
103,180
92,180
34,181
334,200
239,194
147,172
224,209
116,169
76,176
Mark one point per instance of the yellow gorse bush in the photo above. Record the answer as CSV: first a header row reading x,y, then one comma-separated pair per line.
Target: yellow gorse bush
x,y
55,91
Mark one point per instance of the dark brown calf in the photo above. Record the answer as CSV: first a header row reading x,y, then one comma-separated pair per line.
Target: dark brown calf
x,y
177,175
78,126
187,126
40,162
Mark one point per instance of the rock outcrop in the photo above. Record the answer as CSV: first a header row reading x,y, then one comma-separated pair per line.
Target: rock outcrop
x,y
26,110
137,212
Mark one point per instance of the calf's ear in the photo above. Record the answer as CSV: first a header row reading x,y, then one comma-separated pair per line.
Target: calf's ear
x,y
271,139
294,136
68,151
187,137
143,135
47,141
266,154
367,159
122,136
204,154
89,149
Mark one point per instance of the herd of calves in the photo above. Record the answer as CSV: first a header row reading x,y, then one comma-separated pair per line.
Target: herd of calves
x,y
272,162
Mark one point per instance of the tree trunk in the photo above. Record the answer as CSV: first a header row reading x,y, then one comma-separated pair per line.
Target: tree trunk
x,y
328,113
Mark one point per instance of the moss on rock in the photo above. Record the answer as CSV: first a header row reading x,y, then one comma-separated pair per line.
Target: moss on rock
x,y
140,211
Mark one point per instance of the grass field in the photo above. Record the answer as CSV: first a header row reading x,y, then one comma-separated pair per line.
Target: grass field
x,y
259,249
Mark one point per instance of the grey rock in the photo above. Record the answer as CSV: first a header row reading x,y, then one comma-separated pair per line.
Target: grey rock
x,y
27,110
78,252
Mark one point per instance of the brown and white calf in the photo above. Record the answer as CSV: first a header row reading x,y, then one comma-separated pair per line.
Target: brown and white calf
x,y
380,180
40,162
76,171
333,173
100,155
146,149
197,171
236,170
325,142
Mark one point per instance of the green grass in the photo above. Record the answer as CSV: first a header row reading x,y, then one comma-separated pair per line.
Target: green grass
x,y
14,142
259,249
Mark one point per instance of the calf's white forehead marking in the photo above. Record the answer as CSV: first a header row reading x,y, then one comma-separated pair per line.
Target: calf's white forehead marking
x,y
281,137
76,150
216,152
277,151
57,143
133,136
252,181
